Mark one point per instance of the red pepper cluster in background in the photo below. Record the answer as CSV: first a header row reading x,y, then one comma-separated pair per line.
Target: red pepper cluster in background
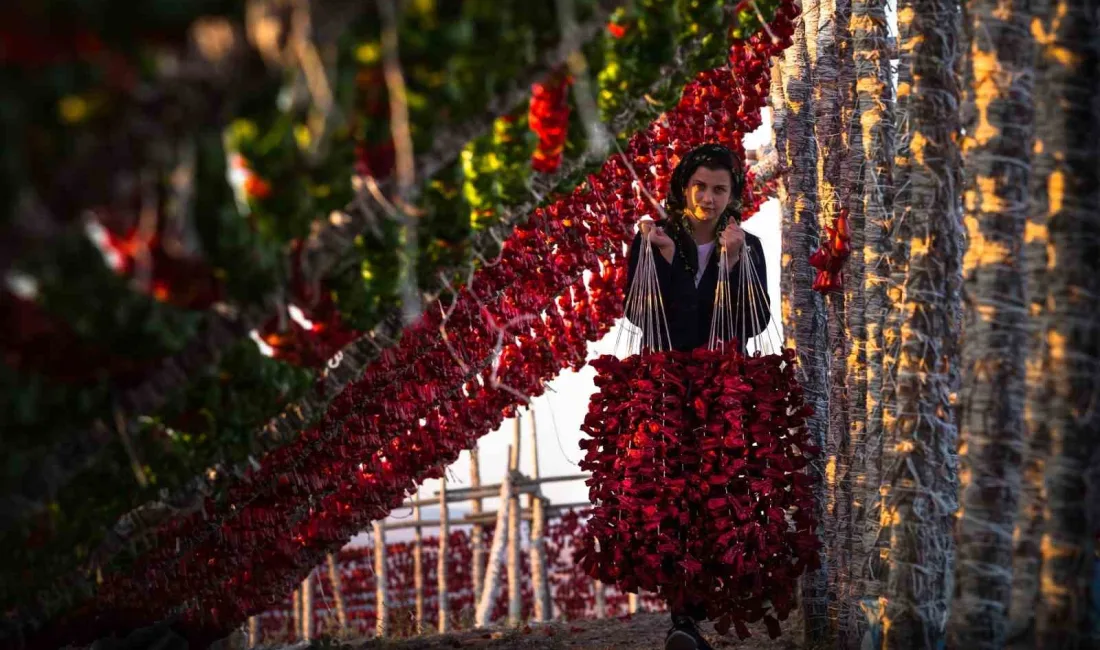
x,y
317,334
571,591
829,259
548,117
701,498
758,192
470,359
158,267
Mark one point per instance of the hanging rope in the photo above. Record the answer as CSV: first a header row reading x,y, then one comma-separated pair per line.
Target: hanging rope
x,y
645,307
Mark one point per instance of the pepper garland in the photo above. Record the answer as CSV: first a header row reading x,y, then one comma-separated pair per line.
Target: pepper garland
x,y
567,250
549,118
657,526
185,441
829,258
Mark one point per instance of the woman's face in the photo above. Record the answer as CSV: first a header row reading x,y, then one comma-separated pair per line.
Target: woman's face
x,y
707,194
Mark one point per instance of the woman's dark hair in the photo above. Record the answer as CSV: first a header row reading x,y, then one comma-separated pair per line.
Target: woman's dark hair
x,y
711,156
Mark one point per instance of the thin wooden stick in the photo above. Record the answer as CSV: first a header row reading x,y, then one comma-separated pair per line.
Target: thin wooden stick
x,y
253,631
539,579
381,595
632,603
484,612
477,533
418,567
601,600
296,612
444,533
515,595
337,593
307,608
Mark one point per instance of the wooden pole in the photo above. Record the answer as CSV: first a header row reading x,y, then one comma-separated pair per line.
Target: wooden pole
x,y
539,579
515,595
253,631
632,603
296,613
337,593
381,594
418,567
513,451
307,608
484,612
601,600
477,543
441,569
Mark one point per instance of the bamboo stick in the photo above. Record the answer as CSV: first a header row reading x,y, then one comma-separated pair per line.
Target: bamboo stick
x,y
483,616
337,593
307,607
441,570
539,579
296,612
418,567
515,596
381,595
477,542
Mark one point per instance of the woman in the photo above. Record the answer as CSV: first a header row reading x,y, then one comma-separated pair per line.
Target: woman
x,y
703,214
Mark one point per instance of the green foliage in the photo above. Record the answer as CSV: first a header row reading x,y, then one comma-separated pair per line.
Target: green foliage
x,y
75,284
213,423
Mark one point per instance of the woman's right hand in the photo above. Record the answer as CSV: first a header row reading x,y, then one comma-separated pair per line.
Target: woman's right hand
x,y
657,236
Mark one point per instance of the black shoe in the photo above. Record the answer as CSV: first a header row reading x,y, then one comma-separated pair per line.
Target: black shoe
x,y
685,635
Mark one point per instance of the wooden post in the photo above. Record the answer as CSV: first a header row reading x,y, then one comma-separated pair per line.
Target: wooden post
x,y
307,608
513,451
632,603
296,613
337,593
515,596
381,594
253,631
601,600
539,580
484,612
441,569
418,567
477,544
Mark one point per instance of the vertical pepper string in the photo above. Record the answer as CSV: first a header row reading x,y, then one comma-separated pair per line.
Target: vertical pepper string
x,y
759,295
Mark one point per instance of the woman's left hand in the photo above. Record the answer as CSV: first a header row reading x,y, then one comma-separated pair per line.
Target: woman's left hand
x,y
732,240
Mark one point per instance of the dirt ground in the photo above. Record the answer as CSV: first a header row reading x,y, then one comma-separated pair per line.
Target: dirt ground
x,y
639,632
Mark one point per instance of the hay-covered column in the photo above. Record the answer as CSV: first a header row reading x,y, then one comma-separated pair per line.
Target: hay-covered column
x,y
996,153
1067,203
920,479
804,313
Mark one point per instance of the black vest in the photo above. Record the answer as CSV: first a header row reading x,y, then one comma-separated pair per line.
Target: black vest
x,y
689,309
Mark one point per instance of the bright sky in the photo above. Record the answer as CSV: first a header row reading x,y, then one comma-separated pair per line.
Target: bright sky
x,y
559,412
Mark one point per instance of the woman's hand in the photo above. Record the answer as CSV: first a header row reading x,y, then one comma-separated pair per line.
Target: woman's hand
x,y
657,236
732,240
